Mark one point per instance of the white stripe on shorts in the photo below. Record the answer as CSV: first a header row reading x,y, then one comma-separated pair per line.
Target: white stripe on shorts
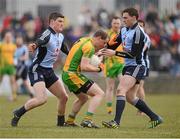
x,y
136,71
35,73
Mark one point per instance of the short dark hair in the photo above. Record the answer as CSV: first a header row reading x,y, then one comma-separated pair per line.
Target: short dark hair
x,y
141,21
115,17
131,12
55,15
101,33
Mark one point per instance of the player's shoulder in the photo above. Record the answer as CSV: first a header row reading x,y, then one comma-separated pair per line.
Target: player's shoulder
x,y
123,29
109,31
87,43
46,33
84,38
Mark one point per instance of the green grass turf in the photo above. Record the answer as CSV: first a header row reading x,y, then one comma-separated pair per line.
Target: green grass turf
x,y
41,122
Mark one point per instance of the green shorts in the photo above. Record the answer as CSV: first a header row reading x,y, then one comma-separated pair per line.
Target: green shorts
x,y
8,69
114,71
76,82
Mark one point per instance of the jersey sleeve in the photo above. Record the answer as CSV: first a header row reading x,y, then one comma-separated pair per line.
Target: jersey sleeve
x,y
65,48
44,38
88,51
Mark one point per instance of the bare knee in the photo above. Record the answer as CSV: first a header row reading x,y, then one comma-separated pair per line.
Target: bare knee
x,y
121,92
129,99
41,99
64,98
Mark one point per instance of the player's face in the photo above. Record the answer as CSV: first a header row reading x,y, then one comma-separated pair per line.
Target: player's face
x,y
8,37
128,20
59,24
100,43
19,41
116,24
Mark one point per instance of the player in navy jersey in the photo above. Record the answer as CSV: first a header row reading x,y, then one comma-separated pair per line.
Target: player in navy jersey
x,y
41,74
132,38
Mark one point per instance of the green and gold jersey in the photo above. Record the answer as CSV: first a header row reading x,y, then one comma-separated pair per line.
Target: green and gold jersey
x,y
111,33
81,48
7,53
112,64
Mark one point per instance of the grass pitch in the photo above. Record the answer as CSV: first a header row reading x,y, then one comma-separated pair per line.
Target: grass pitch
x,y
41,122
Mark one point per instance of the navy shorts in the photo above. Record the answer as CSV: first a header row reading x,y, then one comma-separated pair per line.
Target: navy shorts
x,y
138,72
21,72
38,73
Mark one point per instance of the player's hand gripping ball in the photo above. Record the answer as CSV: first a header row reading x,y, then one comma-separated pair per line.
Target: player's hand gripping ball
x,y
95,60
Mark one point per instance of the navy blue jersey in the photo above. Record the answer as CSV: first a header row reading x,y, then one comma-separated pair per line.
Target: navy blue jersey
x,y
132,40
49,45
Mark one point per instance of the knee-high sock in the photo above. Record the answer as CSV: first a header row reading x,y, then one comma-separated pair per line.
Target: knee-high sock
x,y
142,106
120,105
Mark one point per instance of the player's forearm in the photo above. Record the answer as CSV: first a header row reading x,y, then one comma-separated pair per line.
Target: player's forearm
x,y
90,68
124,54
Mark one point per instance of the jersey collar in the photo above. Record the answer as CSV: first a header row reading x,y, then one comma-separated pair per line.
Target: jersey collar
x,y
132,26
52,31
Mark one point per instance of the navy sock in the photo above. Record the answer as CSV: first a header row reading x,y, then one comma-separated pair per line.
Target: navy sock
x,y
21,111
60,120
141,105
120,105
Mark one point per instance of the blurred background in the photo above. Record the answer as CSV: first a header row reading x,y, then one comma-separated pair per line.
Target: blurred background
x,y
162,17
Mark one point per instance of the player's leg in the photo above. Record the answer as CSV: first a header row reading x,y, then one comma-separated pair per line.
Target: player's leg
x,y
37,81
127,82
140,104
57,89
141,94
97,95
132,93
79,85
13,87
11,71
77,105
39,99
110,83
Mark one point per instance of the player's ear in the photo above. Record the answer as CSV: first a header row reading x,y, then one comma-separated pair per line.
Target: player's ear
x,y
51,21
